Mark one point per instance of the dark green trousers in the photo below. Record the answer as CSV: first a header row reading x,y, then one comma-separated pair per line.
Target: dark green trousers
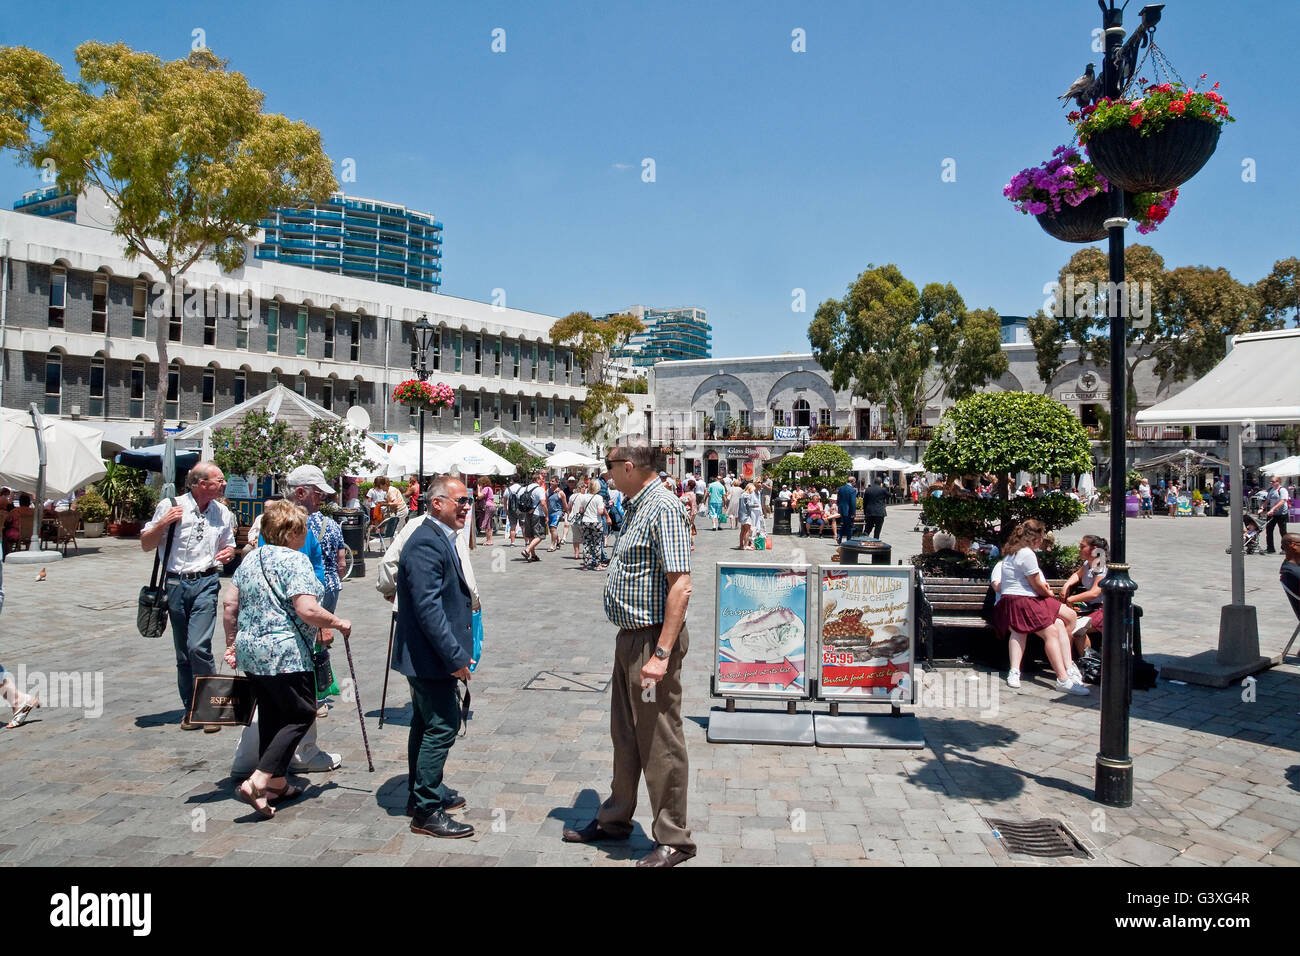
x,y
435,719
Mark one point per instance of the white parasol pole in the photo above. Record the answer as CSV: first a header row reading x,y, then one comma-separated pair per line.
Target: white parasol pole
x,y
34,554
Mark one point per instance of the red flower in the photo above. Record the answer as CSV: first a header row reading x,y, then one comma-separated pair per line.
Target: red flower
x,y
1215,86
1073,116
1223,111
1176,107
1204,75
1135,120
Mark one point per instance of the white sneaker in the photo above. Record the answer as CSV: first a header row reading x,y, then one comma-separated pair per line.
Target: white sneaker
x,y
1074,674
1082,624
1071,686
321,762
1013,678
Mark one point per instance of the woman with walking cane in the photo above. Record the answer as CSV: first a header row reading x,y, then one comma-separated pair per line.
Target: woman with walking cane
x,y
271,620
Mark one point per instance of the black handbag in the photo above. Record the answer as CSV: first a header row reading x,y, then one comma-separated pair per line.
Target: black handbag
x,y
151,609
222,700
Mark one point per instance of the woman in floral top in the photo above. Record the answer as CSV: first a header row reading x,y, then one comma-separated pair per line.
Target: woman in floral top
x,y
271,619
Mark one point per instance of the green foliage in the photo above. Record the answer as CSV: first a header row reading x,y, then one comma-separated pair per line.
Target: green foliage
x,y
92,507
1059,562
830,463
903,349
257,446
182,150
634,386
516,454
1005,432
146,500
782,471
122,487
992,519
335,448
1133,478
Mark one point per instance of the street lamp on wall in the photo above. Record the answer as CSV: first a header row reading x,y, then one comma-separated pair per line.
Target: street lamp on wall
x,y
423,333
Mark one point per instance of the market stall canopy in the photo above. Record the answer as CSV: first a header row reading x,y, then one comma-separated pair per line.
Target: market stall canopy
x,y
1197,459
506,437
896,464
1258,381
1286,468
861,463
280,403
569,459
71,453
150,458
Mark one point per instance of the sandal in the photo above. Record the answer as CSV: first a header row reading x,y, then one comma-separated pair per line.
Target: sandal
x,y
284,794
22,713
252,795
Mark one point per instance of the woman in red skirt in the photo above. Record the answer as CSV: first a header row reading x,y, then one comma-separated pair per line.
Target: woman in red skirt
x,y
1026,605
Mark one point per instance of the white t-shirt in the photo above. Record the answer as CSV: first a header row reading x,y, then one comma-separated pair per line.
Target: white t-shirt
x,y
1017,569
1088,578
995,579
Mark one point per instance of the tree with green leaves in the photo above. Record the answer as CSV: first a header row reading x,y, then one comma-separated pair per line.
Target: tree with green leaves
x,y
594,341
1278,294
903,349
336,448
1177,319
1002,434
257,446
524,461
182,150
829,463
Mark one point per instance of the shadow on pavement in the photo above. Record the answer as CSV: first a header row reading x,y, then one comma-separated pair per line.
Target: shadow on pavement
x,y
583,812
160,720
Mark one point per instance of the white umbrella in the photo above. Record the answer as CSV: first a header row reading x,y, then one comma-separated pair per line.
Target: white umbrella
x,y
861,463
1286,468
913,469
896,464
469,458
570,459
71,454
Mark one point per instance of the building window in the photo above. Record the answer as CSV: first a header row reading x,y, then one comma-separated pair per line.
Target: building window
x,y
568,368
802,414
329,335
478,409
99,305
173,391
437,350
327,395
137,390
210,321
300,384
273,327
514,412
478,355
455,405
744,418
241,332
209,392
354,394
456,344
496,409
241,387
97,386
550,411
515,354
778,417
355,345
53,382
824,416
302,330
532,410
550,362
58,297
139,305
564,410
496,358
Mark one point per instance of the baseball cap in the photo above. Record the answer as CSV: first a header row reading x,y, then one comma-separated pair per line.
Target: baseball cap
x,y
308,475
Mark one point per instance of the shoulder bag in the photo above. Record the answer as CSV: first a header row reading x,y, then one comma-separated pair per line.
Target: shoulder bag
x,y
151,609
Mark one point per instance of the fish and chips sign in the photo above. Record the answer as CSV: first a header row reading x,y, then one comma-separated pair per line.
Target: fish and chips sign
x,y
859,646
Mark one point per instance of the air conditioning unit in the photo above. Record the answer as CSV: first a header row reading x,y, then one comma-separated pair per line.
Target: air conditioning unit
x,y
75,411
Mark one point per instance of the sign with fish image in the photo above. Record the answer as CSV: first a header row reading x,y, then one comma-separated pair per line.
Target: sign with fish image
x,y
867,636
760,646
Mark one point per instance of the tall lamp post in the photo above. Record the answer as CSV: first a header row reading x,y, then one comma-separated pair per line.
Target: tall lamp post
x,y
423,333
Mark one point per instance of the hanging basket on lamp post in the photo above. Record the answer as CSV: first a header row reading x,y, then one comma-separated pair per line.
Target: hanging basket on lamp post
x,y
1157,141
1085,222
417,394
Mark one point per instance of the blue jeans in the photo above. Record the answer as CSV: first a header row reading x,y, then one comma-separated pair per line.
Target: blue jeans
x,y
330,601
192,610
604,530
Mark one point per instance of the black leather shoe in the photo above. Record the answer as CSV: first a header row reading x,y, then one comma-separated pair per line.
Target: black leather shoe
x,y
591,833
440,825
662,856
454,801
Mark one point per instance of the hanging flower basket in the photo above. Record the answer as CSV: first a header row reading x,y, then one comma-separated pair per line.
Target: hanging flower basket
x,y
1155,163
417,394
1081,223
1157,142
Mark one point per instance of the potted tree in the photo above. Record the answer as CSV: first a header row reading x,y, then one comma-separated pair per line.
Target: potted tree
x,y
121,488
1198,504
1157,141
94,513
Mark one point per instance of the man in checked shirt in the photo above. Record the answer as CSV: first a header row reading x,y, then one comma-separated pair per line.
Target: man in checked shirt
x,y
646,593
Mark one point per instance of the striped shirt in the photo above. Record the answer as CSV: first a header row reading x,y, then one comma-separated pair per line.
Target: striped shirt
x,y
655,542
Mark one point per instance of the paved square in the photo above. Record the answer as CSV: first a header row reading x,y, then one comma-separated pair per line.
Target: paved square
x,y
1217,772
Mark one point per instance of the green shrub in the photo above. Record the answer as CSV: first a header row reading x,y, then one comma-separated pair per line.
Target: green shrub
x,y
93,508
991,519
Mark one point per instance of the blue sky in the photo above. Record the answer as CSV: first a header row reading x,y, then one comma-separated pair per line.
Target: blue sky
x,y
774,170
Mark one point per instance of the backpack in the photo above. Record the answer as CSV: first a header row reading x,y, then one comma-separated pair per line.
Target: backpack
x,y
604,492
528,504
512,503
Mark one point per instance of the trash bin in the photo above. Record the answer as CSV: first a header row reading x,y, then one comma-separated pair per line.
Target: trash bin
x,y
877,551
353,521
781,518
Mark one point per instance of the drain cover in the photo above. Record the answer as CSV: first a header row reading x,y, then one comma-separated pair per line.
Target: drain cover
x,y
1043,837
564,680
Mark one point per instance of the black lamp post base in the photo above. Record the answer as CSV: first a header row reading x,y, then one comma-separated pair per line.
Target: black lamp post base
x,y
1114,782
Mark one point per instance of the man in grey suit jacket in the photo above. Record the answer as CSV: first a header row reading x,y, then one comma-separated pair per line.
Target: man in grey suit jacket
x,y
432,644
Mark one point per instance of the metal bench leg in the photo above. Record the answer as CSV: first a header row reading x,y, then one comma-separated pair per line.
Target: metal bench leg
x,y
1286,650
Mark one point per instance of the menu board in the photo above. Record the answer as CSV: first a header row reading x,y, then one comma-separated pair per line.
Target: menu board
x,y
867,633
761,637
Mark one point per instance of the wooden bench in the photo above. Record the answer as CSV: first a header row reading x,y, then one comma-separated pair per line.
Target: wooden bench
x,y
952,607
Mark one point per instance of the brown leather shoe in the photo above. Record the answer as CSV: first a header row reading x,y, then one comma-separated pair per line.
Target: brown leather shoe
x,y
662,856
591,833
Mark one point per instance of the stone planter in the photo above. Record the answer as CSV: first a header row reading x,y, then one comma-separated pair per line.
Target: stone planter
x,y
93,529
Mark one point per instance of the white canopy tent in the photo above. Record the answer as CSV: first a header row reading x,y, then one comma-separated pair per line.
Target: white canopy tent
x,y
1257,383
569,459
1286,468
71,454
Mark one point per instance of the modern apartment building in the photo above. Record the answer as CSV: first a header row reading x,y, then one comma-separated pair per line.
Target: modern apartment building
x,y
78,322
670,335
361,238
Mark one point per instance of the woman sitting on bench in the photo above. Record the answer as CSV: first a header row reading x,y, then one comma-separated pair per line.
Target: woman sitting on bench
x,y
1086,582
814,515
1025,605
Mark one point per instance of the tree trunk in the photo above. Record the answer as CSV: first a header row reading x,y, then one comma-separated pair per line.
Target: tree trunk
x,y
160,341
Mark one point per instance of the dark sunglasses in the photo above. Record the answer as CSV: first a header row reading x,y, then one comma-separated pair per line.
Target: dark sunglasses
x,y
611,462
463,501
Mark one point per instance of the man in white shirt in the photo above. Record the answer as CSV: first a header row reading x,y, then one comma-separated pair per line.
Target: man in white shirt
x,y
1278,505
203,540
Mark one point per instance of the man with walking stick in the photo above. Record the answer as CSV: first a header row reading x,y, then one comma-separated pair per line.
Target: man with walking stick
x,y
433,644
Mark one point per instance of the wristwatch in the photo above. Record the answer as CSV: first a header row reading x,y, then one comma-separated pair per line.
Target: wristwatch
x,y
661,653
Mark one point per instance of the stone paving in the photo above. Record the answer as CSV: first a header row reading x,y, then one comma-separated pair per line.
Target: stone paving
x,y
1217,776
